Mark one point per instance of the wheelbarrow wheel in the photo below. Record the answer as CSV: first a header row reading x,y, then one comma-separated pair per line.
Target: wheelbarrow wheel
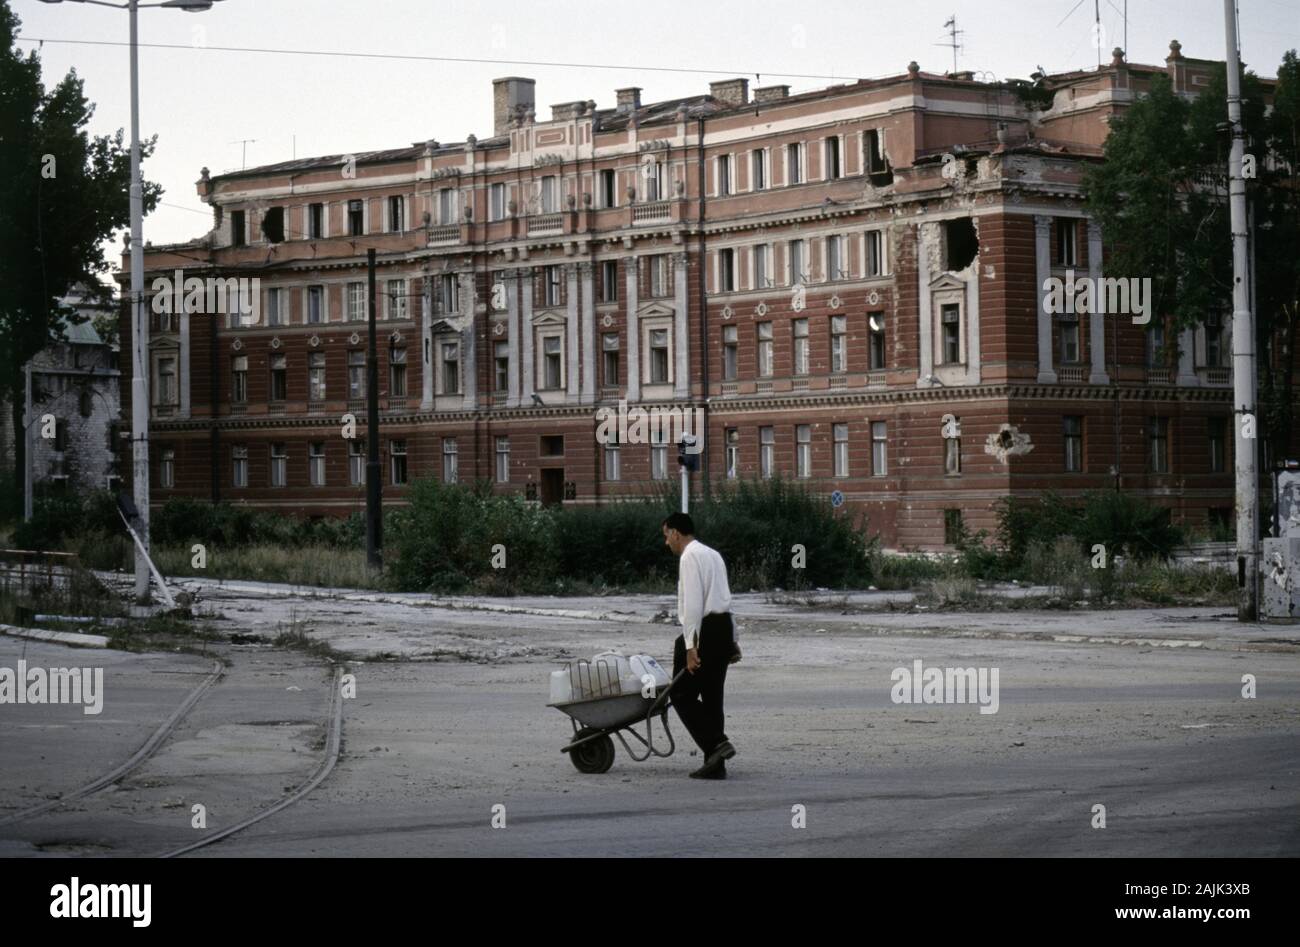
x,y
594,756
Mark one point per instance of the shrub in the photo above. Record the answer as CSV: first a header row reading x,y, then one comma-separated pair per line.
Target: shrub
x,y
57,516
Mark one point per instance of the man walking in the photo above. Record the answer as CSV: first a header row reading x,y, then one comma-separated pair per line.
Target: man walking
x,y
706,646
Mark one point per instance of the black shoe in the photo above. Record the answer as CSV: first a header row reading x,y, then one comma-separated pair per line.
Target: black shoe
x,y
723,751
716,771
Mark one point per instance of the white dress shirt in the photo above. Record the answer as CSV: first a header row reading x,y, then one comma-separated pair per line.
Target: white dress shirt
x,y
701,589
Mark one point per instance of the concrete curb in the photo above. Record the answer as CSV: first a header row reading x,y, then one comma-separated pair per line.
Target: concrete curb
x,y
60,637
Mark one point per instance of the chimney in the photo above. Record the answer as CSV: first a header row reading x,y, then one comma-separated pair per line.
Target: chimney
x,y
730,91
771,93
510,95
629,99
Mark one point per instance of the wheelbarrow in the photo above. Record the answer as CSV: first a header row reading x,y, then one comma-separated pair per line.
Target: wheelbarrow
x,y
605,715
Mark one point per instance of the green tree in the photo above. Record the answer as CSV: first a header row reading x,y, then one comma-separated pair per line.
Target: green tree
x,y
1161,199
63,194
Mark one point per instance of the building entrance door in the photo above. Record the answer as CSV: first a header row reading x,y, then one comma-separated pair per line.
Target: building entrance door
x,y
552,485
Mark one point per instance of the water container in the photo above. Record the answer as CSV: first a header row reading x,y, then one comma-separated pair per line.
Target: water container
x,y
561,687
642,665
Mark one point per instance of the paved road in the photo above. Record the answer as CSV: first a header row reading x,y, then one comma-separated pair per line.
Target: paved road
x,y
1159,734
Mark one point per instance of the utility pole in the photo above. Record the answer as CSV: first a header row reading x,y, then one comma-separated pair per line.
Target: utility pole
x,y
139,334
374,505
29,443
1243,347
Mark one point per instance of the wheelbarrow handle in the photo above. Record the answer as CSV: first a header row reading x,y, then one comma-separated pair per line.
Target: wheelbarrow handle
x,y
663,694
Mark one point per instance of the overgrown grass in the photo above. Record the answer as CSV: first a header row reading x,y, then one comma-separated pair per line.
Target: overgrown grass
x,y
312,565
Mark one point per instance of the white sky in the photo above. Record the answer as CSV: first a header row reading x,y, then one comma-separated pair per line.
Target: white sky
x,y
201,102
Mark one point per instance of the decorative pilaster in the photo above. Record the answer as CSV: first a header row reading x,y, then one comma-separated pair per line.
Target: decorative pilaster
x,y
469,341
681,343
511,280
1096,318
1186,351
925,330
526,332
426,344
633,333
1042,272
183,363
588,316
571,330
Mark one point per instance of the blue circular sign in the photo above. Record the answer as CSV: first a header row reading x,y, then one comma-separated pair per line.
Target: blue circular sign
x,y
837,498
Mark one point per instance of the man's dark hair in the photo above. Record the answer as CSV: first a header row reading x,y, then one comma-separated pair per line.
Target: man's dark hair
x,y
681,522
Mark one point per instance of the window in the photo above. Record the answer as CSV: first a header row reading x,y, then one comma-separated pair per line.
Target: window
x,y
239,379
1158,433
950,333
758,170
1072,434
446,205
609,281
609,348
497,202
396,213
960,243
730,352
952,454
659,356
501,366
840,434
608,188
273,224
167,469
551,275
449,293
1218,436
875,253
803,450
279,465
762,267
873,146
552,362
613,462
356,301
356,462
397,372
276,314
239,458
732,442
396,293
238,232
60,435
659,274
1214,347
797,258
553,445
450,460
1155,348
793,163
839,344
764,349
876,340
766,452
315,221
1066,231
279,377
726,270
316,463
659,455
316,376
799,328
879,449
503,460
724,175
356,218
315,304
450,368
835,269
550,195
1069,337
832,158
397,461
166,384
356,375
952,527
654,180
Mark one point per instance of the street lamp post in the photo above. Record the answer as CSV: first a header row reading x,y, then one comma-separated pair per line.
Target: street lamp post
x,y
139,315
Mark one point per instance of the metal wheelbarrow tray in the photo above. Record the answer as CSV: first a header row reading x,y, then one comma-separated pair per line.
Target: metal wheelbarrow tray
x,y
602,716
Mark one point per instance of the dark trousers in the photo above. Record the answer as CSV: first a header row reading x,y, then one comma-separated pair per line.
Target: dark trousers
x,y
698,696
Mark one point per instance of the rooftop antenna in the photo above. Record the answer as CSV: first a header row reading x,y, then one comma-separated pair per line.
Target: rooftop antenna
x,y
951,26
245,142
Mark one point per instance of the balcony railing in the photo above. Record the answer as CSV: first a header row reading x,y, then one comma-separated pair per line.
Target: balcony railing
x,y
1159,376
877,380
444,235
651,213
545,223
1218,376
1070,374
